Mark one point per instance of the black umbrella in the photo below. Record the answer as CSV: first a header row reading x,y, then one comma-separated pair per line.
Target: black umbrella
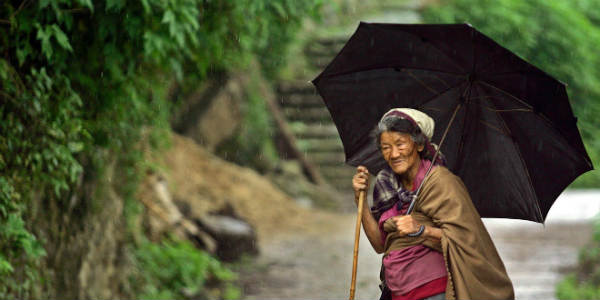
x,y
513,138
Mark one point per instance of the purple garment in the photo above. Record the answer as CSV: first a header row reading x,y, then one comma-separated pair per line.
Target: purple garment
x,y
411,267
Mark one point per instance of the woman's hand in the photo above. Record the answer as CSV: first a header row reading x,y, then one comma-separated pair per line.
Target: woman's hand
x,y
405,224
360,181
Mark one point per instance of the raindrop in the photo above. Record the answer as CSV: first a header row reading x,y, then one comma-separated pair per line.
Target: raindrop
x,y
101,74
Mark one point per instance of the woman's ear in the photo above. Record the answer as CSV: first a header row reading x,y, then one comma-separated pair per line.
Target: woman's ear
x,y
420,148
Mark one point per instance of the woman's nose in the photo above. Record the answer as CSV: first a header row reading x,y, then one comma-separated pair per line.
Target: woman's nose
x,y
395,152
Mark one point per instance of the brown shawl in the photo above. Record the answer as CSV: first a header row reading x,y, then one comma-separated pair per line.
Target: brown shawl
x,y
475,270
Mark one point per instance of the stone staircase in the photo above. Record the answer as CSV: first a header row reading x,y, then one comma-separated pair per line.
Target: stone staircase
x,y
304,109
309,119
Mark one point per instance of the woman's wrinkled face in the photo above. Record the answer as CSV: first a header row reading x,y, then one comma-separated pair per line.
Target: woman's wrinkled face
x,y
400,151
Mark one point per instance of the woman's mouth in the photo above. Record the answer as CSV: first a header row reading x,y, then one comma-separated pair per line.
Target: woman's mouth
x,y
397,162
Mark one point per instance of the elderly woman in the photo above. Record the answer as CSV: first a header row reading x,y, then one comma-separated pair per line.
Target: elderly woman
x,y
440,250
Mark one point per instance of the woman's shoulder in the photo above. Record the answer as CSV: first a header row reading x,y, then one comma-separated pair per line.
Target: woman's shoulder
x,y
444,175
441,171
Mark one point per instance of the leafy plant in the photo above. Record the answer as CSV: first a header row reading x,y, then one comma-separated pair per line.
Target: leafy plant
x,y
84,83
177,270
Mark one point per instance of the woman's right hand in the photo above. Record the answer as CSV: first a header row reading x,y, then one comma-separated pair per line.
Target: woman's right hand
x,y
360,181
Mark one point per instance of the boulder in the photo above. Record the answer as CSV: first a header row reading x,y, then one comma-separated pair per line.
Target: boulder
x,y
234,237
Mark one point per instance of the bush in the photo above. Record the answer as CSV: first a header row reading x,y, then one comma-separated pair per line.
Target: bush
x,y
584,283
81,81
177,270
569,288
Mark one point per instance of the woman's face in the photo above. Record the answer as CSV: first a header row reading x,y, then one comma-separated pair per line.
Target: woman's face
x,y
400,152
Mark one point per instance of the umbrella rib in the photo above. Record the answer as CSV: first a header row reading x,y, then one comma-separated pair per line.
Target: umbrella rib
x,y
432,90
507,93
385,66
493,127
443,92
541,115
499,110
537,201
436,77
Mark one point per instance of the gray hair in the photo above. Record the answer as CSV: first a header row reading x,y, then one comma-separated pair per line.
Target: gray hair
x,y
401,125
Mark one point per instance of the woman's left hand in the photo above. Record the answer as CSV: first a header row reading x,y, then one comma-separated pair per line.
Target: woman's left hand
x,y
405,224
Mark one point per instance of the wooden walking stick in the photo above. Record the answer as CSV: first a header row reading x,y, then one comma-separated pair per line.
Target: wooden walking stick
x,y
361,200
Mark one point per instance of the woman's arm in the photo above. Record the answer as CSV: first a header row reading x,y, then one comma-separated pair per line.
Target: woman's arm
x,y
371,228
360,182
433,234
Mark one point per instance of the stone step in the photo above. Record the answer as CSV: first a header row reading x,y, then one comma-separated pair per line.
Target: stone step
x,y
328,158
327,163
341,171
308,115
341,183
320,131
320,145
296,87
301,101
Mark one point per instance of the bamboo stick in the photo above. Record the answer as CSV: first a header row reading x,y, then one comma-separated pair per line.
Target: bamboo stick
x,y
361,200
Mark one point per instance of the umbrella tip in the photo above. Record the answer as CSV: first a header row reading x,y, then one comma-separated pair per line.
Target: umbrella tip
x,y
468,24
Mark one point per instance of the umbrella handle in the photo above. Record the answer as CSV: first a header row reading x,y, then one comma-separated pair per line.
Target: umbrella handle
x,y
361,200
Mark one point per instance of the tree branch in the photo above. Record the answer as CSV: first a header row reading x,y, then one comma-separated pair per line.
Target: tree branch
x,y
19,9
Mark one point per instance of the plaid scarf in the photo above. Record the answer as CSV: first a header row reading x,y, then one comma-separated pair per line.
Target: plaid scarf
x,y
388,190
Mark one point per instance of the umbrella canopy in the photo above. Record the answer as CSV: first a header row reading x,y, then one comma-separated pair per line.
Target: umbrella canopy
x,y
513,140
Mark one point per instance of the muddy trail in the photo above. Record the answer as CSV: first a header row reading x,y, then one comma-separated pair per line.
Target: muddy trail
x,y
315,262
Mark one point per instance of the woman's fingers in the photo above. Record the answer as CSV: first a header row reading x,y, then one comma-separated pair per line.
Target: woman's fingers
x,y
406,224
361,178
362,169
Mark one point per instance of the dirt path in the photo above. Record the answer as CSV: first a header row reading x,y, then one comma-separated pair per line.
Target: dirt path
x,y
316,262
315,265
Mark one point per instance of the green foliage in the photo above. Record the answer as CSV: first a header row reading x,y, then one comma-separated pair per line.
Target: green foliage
x,y
84,83
177,270
569,288
560,37
584,283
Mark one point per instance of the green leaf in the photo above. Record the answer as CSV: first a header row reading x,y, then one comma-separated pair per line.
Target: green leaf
x,y
22,56
114,5
44,3
44,35
279,9
76,146
87,3
168,17
5,266
61,38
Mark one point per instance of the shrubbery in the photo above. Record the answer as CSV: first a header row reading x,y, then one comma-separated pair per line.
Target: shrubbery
x,y
81,80
584,283
177,270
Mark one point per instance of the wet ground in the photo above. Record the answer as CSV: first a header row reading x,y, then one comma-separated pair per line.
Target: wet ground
x,y
317,264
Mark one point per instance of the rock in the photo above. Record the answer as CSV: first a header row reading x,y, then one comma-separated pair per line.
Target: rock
x,y
234,236
212,113
164,216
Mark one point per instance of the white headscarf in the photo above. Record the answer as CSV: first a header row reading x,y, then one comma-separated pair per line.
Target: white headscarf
x,y
425,122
